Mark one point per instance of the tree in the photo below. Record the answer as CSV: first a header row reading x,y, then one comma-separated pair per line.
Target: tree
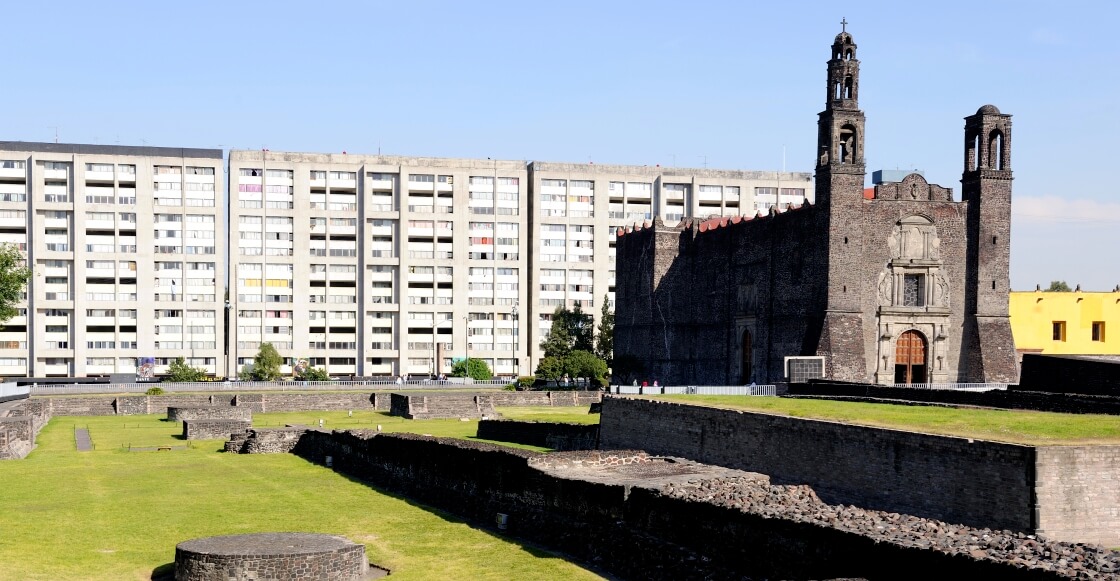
x,y
586,365
266,365
473,368
571,329
550,368
14,275
180,372
310,373
1058,286
604,340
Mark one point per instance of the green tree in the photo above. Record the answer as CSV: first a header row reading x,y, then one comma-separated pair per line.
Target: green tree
x,y
571,329
14,275
266,365
559,341
180,372
1058,286
550,368
310,373
472,368
604,340
585,365
581,326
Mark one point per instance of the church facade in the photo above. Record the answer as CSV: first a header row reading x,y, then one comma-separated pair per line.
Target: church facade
x,y
905,286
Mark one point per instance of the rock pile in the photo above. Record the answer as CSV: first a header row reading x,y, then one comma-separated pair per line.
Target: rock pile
x,y
801,504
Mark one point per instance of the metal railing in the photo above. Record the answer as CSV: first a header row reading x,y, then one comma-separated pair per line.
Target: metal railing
x,y
256,386
695,389
953,386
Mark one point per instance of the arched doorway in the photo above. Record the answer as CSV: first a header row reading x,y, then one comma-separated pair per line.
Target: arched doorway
x,y
910,358
745,370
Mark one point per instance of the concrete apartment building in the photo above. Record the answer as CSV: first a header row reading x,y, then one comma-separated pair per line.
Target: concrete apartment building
x,y
363,265
386,265
128,251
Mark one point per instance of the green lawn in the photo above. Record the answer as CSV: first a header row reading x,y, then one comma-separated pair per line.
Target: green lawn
x,y
115,514
1014,426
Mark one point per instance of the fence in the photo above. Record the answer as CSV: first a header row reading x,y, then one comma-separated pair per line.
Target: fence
x,y
953,386
256,386
695,389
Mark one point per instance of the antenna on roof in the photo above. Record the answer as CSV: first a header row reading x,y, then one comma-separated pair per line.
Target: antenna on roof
x,y
55,127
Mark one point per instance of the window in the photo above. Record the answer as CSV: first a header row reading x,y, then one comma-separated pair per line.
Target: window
x,y
1059,330
1098,330
914,290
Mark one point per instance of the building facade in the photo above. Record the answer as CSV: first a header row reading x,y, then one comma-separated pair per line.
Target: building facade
x,y
1066,323
127,249
904,285
388,265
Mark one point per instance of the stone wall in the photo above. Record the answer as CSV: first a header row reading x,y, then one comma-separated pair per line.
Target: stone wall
x,y
182,413
449,405
974,482
1064,374
19,428
294,402
1079,493
553,435
271,441
213,429
635,532
1012,398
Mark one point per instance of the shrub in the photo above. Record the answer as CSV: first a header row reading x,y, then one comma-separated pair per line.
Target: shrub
x,y
154,391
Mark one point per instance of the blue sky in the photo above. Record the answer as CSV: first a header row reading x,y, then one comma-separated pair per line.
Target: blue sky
x,y
733,85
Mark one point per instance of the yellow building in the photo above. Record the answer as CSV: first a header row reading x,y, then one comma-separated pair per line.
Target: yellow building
x,y
1066,323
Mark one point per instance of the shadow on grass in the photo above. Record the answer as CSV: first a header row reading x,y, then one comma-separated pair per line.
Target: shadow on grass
x,y
536,550
165,572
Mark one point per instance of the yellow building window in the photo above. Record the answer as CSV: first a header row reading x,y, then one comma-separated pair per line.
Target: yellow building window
x,y
1098,330
1059,330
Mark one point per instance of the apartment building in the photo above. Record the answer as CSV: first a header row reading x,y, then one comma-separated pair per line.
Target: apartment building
x,y
377,265
128,251
385,265
363,265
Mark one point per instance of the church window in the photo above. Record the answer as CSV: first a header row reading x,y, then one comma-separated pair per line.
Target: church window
x,y
914,290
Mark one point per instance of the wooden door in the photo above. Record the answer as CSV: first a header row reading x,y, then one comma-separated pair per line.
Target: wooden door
x,y
910,358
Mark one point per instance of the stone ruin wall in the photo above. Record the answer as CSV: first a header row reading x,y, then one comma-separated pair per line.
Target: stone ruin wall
x,y
716,529
1068,492
213,429
183,413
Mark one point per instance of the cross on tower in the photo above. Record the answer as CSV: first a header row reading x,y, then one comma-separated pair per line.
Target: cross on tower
x,y
843,24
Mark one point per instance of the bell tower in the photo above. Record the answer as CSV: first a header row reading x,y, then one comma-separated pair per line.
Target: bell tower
x,y
840,137
986,188
839,190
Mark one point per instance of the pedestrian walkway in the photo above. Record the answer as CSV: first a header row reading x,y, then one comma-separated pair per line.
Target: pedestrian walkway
x,y
81,438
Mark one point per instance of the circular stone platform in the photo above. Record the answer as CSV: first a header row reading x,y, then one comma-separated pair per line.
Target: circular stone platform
x,y
271,557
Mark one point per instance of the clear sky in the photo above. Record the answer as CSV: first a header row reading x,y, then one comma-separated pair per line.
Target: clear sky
x,y
730,85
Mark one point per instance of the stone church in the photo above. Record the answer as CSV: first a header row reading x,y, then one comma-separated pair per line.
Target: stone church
x,y
902,286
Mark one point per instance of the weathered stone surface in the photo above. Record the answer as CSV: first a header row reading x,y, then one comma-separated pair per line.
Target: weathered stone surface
x,y
213,429
270,557
1067,492
179,413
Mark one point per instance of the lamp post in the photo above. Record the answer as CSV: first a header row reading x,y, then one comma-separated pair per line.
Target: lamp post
x,y
515,361
466,345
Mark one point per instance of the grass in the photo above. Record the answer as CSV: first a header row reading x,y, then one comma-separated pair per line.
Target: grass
x,y
115,514
1012,426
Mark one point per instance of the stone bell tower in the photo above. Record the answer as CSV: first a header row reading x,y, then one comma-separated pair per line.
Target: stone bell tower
x,y
986,188
840,175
